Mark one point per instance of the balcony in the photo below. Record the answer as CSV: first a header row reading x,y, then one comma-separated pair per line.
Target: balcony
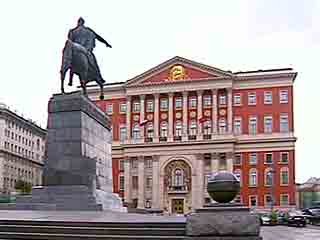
x,y
192,137
177,189
162,139
177,138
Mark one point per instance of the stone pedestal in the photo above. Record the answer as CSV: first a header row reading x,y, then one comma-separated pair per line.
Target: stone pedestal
x,y
78,170
223,222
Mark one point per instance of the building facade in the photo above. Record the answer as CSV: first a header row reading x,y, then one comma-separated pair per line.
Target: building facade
x,y
308,193
22,148
179,122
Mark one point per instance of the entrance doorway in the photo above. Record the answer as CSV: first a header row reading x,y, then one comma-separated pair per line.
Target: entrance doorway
x,y
177,206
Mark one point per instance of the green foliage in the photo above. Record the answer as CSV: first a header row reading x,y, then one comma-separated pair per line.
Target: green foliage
x,y
274,217
23,187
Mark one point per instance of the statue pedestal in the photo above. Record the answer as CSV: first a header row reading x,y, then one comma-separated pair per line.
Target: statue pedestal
x,y
223,222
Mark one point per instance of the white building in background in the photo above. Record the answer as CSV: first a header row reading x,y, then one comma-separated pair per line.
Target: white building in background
x,y
22,150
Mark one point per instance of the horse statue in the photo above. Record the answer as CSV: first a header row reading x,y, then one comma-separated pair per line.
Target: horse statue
x,y
76,60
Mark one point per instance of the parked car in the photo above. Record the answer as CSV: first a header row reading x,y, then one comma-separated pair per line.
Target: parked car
x,y
312,215
296,218
265,218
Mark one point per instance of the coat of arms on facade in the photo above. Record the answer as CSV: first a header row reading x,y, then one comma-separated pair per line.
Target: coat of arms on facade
x,y
177,72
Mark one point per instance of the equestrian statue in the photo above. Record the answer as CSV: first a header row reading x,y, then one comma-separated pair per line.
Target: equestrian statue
x,y
79,59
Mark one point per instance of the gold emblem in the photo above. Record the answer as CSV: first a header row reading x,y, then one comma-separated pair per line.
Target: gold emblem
x,y
222,112
177,72
178,115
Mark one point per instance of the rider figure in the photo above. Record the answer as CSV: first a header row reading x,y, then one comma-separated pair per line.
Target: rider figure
x,y
86,37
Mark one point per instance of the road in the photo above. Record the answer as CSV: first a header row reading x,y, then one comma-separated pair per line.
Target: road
x,y
290,233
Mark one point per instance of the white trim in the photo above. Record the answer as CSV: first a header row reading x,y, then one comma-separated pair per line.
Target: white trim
x,y
265,158
280,160
284,194
284,169
256,197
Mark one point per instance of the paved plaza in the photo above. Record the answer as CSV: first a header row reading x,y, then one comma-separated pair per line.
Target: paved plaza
x,y
290,233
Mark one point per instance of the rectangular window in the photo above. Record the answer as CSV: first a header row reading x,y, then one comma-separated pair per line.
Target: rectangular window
x,y
283,96
284,157
192,102
123,133
149,182
252,98
253,159
135,182
222,99
193,128
148,162
222,126
253,125
267,200
284,176
268,124
134,163
178,103
237,99
206,101
121,165
268,158
267,97
109,108
121,183
237,126
163,104
284,125
123,107
149,105
237,159
284,199
253,201
136,107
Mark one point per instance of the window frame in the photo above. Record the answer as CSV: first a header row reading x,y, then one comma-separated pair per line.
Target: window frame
x,y
207,101
282,170
150,105
237,99
266,180
256,198
253,183
267,97
178,100
164,104
281,123
283,100
252,96
288,199
265,158
109,108
237,129
255,132
240,159
121,110
268,119
284,153
250,158
192,102
136,107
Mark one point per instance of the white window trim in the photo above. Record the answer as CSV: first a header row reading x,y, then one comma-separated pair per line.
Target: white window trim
x,y
193,99
265,129
250,163
265,199
166,107
175,103
249,124
152,103
109,105
288,127
135,103
280,160
120,184
205,98
265,93
287,99
284,169
256,197
285,194
250,171
121,127
265,177
234,97
237,119
255,98
265,158
120,111
239,154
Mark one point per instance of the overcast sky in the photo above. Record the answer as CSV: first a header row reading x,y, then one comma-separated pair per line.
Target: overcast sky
x,y
231,35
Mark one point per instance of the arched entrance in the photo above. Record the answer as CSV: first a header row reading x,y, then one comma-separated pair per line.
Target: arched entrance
x,y
177,186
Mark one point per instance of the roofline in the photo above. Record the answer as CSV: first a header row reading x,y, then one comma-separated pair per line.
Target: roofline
x,y
265,70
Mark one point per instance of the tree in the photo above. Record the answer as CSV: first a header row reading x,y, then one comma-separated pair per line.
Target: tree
x,y
23,187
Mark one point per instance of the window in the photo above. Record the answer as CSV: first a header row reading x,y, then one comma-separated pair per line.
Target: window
x,y
192,102
284,157
268,124
237,126
268,178
284,126
149,182
150,130
163,104
135,182
136,106
222,126
253,177
222,161
149,105
237,159
178,102
207,127
253,159
253,125
148,162
121,165
237,173
284,176
109,108
253,201
206,101
237,99
121,183
267,97
267,200
222,99
136,131
123,133
283,96
193,128
268,158
148,203
164,129
178,129
178,178
123,107
252,98
284,199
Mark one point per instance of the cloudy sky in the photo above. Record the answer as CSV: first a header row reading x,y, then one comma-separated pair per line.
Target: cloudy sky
x,y
231,35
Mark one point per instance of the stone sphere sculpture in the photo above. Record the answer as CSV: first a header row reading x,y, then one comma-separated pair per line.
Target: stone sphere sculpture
x,y
223,187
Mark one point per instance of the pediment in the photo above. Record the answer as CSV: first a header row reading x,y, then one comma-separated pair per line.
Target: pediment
x,y
177,69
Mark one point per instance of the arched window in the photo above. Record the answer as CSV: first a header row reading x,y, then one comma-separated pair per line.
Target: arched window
x,y
193,128
268,177
164,129
178,130
237,173
253,177
207,127
178,180
150,130
136,131
284,176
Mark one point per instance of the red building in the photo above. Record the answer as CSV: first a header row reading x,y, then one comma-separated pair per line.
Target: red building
x,y
178,122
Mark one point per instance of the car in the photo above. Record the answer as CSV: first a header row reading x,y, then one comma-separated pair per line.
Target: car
x,y
265,219
312,215
296,218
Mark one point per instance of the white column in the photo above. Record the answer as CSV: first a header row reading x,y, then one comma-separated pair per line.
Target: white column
x,y
142,118
199,108
141,182
229,158
230,110
214,112
200,160
128,121
185,117
127,181
155,183
170,135
156,118
214,162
